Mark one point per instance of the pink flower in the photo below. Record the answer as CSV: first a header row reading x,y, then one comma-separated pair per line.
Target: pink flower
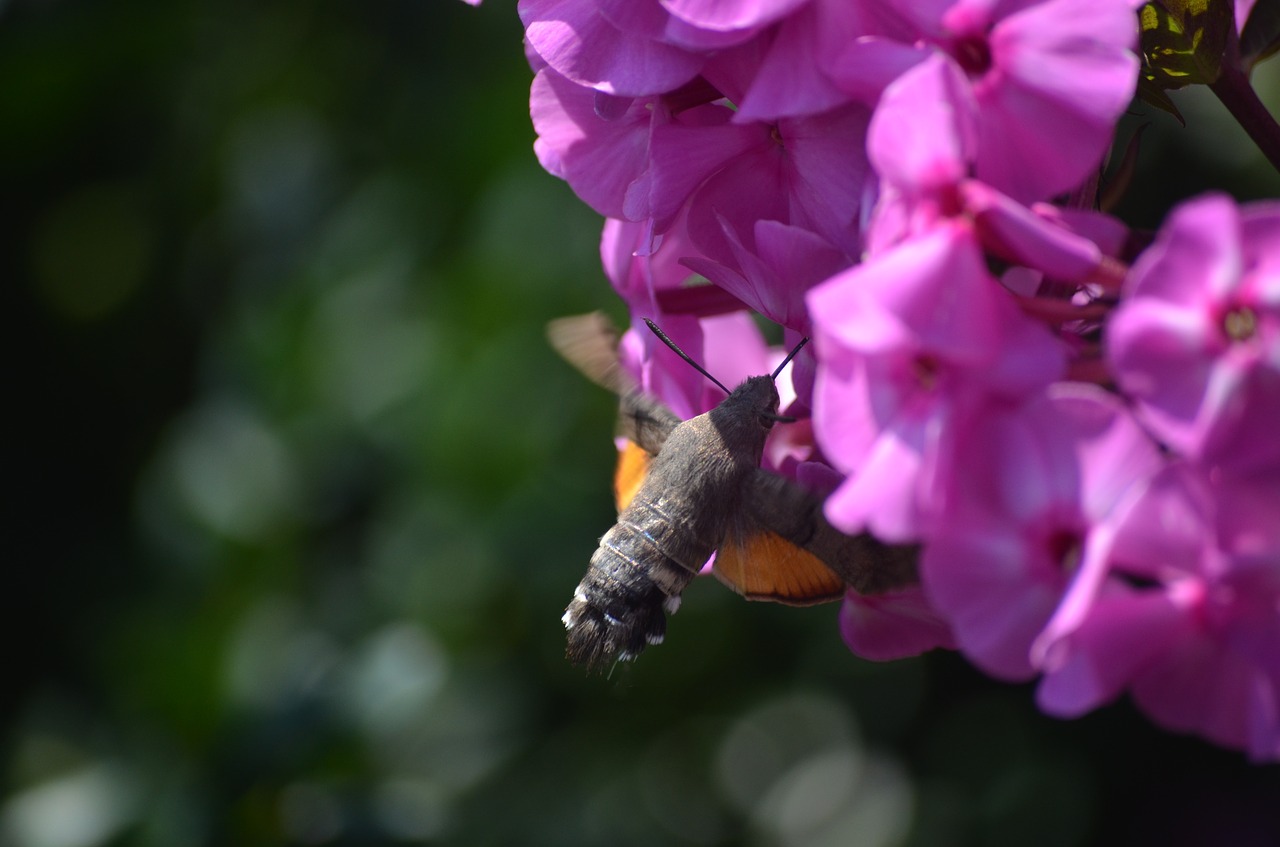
x,y
922,145
599,155
1188,615
1035,486
923,136
773,279
806,172
1196,340
853,169
643,278
639,48
577,39
1045,81
642,281
1068,245
910,343
653,19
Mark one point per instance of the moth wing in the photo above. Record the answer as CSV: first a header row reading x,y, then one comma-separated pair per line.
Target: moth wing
x,y
645,422
762,565
633,465
774,505
590,343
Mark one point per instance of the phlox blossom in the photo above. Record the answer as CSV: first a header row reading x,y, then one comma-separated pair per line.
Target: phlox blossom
x,y
921,143
806,172
910,343
888,178
1196,340
1181,606
1044,80
1036,484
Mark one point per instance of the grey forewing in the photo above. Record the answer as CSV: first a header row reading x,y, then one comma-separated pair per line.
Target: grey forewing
x,y
646,421
590,343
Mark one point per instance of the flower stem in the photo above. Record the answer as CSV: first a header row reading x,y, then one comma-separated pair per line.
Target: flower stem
x,y
1233,89
1110,274
1056,311
1093,369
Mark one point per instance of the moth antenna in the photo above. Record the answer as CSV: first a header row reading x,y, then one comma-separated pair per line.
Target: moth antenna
x,y
662,336
774,376
790,356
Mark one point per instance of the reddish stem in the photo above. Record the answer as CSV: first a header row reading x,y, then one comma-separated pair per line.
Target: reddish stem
x,y
1061,311
1233,89
1109,274
1093,370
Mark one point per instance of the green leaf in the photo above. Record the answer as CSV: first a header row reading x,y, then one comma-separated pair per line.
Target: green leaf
x,y
1260,37
1150,92
1183,41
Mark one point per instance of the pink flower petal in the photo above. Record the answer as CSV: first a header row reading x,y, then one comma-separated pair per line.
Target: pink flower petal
x,y
1122,636
789,81
995,594
1196,257
923,134
598,158
683,154
881,494
1017,234
868,65
731,14
774,283
1057,64
579,42
890,626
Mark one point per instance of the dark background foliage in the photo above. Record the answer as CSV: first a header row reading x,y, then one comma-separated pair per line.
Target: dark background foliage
x,y
298,493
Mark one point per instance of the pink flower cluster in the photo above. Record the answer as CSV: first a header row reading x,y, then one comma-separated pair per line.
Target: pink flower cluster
x,y
1082,447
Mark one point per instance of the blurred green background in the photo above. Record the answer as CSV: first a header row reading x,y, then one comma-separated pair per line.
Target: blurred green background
x,y
299,493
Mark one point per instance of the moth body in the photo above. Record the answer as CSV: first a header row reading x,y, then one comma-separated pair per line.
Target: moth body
x,y
670,529
703,491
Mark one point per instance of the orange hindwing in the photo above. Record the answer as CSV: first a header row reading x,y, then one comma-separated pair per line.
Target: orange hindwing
x,y
765,566
633,464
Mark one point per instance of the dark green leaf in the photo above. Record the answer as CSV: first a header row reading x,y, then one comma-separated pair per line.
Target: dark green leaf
x,y
1183,41
1149,91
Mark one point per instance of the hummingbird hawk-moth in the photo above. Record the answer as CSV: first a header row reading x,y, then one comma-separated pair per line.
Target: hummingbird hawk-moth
x,y
687,489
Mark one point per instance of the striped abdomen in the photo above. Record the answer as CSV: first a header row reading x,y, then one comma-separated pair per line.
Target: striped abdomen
x,y
636,576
